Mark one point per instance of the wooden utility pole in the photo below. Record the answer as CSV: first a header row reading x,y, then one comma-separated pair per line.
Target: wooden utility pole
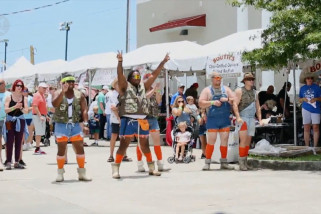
x,y
32,55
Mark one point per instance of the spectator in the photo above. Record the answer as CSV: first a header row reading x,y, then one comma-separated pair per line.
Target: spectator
x,y
280,100
39,111
265,98
108,112
94,125
15,107
28,142
310,97
3,95
101,111
192,91
180,111
191,105
180,92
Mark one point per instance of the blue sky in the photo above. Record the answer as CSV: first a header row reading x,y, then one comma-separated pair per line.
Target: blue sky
x,y
98,26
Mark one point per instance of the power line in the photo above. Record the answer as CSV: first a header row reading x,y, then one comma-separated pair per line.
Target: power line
x,y
35,8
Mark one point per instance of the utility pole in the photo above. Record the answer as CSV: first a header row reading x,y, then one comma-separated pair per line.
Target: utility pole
x,y
32,55
66,26
5,53
127,26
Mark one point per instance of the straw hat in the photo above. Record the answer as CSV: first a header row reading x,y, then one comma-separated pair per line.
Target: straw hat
x,y
306,73
247,75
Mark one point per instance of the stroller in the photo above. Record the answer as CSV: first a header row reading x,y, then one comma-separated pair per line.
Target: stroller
x,y
188,153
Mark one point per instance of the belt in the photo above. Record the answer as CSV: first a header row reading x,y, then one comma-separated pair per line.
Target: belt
x,y
41,115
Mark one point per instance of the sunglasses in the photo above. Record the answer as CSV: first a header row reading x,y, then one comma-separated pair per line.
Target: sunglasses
x,y
19,86
181,101
136,77
309,78
1,83
217,78
249,79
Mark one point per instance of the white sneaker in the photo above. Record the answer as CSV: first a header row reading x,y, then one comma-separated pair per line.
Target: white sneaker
x,y
25,147
29,145
1,166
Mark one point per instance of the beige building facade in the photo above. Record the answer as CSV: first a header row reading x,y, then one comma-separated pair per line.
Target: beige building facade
x,y
221,20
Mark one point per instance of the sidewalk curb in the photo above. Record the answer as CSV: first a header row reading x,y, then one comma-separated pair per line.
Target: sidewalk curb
x,y
286,165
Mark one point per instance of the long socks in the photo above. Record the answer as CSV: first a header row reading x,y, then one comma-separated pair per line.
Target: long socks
x,y
158,152
60,161
81,160
243,151
209,151
139,153
223,150
119,158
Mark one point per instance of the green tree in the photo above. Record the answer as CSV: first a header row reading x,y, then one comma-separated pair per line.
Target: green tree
x,y
294,32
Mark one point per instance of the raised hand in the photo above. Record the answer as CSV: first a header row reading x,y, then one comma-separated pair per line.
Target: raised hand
x,y
120,56
64,87
166,57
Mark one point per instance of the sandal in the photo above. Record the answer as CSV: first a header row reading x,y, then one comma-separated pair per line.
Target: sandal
x,y
111,159
127,159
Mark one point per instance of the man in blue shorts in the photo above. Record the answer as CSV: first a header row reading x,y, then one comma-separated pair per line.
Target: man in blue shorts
x,y
133,109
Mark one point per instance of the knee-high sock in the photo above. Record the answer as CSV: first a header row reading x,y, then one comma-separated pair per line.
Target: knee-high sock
x,y
242,151
158,152
209,151
119,158
148,157
139,153
223,150
247,150
81,160
60,161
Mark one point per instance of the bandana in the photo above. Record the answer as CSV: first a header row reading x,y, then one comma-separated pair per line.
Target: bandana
x,y
70,78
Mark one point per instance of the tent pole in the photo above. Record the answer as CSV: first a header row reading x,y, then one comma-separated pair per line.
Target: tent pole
x,y
294,106
89,86
167,93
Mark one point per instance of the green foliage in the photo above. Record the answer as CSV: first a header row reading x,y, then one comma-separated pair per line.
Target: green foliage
x,y
294,32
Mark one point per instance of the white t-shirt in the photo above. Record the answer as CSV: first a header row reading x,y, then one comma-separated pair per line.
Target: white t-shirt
x,y
113,101
49,101
183,137
90,110
107,101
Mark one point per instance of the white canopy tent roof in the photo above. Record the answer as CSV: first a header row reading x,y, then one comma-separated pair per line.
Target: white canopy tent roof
x,y
21,68
236,42
94,61
180,52
49,70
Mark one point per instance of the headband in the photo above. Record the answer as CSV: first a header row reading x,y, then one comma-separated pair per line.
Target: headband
x,y
70,78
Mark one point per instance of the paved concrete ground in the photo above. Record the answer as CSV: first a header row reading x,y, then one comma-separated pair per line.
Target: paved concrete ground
x,y
185,189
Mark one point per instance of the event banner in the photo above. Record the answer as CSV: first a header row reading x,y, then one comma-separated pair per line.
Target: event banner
x,y
104,76
229,65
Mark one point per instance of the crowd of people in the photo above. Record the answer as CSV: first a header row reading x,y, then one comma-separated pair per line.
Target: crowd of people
x,y
128,109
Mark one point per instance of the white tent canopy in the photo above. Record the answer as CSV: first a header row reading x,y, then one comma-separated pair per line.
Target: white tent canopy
x,y
152,55
49,70
21,68
92,62
236,42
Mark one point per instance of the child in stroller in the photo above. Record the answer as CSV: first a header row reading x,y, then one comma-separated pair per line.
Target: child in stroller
x,y
182,144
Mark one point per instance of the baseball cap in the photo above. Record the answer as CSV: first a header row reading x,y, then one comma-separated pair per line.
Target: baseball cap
x,y
105,87
43,85
181,85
